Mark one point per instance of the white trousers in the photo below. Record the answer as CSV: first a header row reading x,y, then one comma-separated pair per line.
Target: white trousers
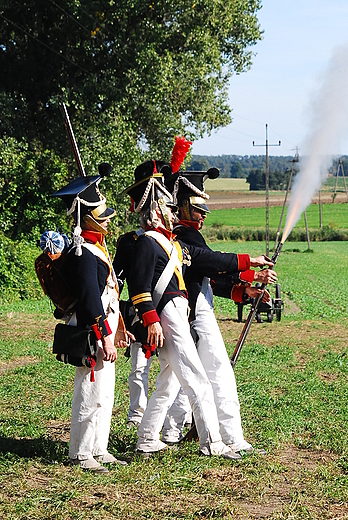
x,y
180,366
138,381
178,415
92,404
213,355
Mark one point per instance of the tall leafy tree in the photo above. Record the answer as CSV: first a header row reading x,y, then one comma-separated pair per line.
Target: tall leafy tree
x,y
165,64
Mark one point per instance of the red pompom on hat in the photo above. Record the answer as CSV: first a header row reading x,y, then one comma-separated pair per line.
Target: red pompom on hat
x,y
180,150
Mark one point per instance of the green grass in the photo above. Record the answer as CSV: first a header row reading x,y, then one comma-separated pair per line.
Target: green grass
x,y
334,215
315,282
293,389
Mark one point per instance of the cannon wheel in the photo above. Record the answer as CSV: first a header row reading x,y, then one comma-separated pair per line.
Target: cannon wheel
x,y
278,302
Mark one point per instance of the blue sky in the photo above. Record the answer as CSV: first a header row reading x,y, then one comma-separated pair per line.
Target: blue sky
x,y
298,42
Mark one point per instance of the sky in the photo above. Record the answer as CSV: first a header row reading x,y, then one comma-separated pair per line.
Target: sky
x,y
299,40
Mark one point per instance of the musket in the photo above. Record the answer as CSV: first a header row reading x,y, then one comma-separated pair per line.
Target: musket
x,y
254,308
72,139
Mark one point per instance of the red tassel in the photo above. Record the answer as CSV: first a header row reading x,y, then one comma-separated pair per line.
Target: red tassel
x,y
132,206
154,167
91,362
180,150
149,350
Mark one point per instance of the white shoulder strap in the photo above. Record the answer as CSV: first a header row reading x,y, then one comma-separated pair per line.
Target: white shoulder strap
x,y
96,251
167,273
99,253
166,276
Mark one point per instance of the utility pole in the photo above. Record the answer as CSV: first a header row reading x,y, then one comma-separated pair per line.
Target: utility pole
x,y
307,230
340,166
267,187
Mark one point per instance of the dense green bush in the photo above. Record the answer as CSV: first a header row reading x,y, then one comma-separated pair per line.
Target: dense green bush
x,y
28,177
18,280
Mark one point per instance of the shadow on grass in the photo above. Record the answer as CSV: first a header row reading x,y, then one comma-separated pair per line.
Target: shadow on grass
x,y
42,447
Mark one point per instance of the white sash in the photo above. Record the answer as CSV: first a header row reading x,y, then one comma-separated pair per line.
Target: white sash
x,y
167,274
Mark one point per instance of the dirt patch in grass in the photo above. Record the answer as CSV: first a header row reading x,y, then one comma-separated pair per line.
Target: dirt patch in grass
x,y
290,333
287,473
18,326
229,199
59,430
17,363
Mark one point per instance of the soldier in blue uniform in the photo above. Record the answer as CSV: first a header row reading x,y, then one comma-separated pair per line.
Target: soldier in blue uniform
x,y
159,295
89,271
188,193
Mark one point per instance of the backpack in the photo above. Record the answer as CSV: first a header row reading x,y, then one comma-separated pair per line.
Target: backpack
x,y
49,268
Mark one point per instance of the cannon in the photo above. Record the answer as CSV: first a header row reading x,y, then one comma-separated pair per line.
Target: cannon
x,y
273,308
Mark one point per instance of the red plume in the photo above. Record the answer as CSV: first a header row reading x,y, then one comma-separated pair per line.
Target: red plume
x,y
180,150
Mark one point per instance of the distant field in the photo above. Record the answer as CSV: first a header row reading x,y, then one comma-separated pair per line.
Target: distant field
x,y
226,184
335,215
222,184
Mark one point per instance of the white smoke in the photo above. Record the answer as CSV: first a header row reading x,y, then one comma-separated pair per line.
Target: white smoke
x,y
327,129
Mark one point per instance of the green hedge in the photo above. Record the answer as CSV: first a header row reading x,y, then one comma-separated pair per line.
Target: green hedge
x,y
219,232
18,279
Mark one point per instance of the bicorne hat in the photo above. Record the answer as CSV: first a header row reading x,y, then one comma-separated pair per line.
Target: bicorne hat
x,y
85,203
84,193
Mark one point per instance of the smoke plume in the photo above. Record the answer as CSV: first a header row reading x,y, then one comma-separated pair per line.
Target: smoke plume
x,y
328,127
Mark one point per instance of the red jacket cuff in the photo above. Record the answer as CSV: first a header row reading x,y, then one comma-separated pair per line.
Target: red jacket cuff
x,y
101,328
150,317
243,262
247,276
237,293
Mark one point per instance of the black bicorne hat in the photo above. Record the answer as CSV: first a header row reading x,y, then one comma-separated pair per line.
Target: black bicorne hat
x,y
189,185
85,190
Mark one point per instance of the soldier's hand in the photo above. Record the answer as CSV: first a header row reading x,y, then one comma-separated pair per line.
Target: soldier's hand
x,y
124,343
266,276
253,292
155,335
261,261
110,350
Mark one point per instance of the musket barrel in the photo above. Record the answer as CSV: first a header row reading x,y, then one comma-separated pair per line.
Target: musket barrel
x,y
253,312
72,139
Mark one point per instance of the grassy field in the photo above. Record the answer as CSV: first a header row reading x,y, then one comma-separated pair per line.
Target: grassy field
x,y
222,184
335,215
293,388
227,184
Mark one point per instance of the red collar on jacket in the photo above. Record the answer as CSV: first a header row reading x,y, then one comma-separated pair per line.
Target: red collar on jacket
x,y
92,236
168,234
189,223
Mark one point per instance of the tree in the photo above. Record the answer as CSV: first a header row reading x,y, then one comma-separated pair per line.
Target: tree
x,y
164,64
257,180
237,171
133,75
